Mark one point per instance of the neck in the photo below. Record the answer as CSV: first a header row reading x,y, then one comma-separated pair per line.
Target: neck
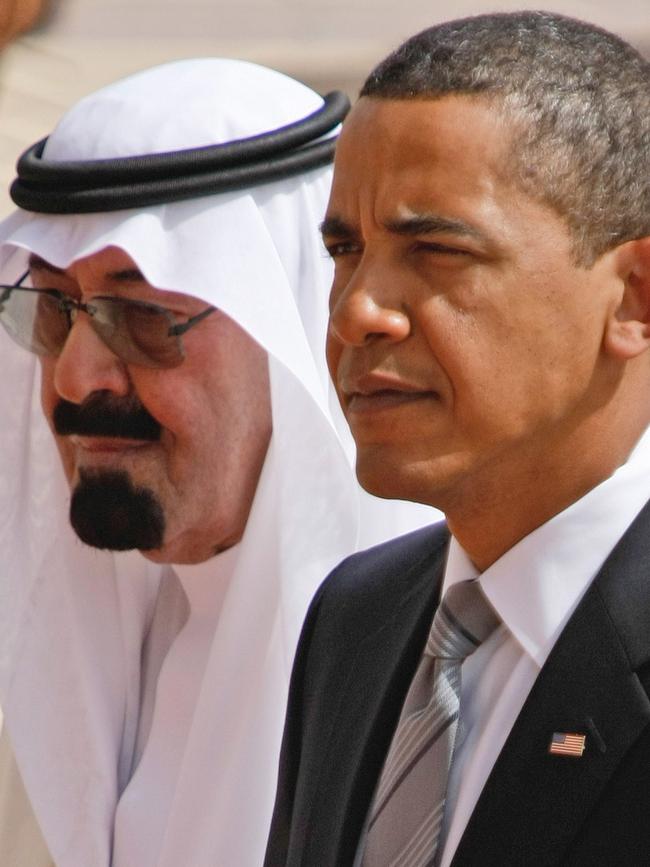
x,y
500,508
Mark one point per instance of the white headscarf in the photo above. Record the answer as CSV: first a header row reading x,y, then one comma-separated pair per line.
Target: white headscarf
x,y
73,619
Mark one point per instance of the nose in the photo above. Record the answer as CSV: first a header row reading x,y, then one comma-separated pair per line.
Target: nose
x,y
86,365
364,311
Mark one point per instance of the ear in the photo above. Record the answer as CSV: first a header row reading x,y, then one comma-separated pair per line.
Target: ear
x,y
627,334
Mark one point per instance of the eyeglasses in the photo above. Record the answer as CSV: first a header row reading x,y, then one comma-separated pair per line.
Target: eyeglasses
x,y
137,332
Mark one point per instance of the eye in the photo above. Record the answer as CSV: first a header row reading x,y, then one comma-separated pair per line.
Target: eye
x,y
443,249
342,248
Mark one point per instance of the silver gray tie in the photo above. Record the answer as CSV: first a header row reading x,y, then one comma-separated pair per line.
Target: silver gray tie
x,y
407,810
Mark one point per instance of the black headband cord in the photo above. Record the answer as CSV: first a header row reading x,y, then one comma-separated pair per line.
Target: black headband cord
x,y
81,187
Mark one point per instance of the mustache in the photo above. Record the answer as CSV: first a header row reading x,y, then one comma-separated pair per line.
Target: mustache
x,y
102,414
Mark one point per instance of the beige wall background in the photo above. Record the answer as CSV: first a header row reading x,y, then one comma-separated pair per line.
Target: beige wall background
x,y
326,43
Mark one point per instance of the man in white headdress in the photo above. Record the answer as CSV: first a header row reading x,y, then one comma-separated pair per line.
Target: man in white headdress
x,y
182,374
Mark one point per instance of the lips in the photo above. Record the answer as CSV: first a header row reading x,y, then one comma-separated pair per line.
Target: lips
x,y
385,399
107,445
376,392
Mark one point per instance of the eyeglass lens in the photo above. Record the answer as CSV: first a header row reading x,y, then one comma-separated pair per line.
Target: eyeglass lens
x,y
137,332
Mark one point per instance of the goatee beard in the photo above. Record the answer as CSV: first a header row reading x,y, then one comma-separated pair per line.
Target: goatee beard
x,y
109,511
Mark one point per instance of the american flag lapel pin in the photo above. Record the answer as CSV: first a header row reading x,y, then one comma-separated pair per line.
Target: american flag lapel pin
x,y
567,744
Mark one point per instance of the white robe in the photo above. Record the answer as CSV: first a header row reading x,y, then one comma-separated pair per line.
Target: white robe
x,y
73,621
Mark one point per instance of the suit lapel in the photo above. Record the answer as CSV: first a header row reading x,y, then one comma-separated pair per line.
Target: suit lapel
x,y
368,710
534,803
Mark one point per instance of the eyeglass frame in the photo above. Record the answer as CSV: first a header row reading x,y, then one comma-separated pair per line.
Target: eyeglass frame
x,y
176,329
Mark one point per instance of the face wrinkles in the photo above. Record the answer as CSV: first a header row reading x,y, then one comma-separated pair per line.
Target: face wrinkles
x,y
455,304
411,223
213,416
408,223
46,275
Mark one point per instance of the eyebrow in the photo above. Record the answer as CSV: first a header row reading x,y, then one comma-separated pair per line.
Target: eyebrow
x,y
125,275
37,264
122,275
413,224
336,227
433,224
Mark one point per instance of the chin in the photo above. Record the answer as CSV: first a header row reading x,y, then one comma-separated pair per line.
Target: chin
x,y
384,479
157,555
109,511
416,479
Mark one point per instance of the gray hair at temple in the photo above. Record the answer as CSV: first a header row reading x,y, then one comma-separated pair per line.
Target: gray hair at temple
x,y
576,103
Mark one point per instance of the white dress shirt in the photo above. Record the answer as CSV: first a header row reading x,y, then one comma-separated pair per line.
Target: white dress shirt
x,y
535,588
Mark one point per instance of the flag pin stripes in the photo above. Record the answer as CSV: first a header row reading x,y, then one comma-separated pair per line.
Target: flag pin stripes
x,y
567,744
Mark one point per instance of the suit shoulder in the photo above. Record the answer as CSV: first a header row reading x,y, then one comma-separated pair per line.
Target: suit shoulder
x,y
395,581
403,553
378,577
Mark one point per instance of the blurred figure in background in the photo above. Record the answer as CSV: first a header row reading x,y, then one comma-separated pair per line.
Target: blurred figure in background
x,y
18,16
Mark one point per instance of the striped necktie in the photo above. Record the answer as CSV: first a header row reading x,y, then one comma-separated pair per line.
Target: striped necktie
x,y
407,810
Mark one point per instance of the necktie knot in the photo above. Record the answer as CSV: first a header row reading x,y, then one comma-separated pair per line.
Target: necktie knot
x,y
464,620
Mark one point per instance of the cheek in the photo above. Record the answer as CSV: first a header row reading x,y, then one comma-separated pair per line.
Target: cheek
x,y
333,355
49,396
205,409
454,337
490,361
168,395
49,399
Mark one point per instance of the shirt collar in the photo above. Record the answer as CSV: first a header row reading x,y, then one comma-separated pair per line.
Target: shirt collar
x,y
537,584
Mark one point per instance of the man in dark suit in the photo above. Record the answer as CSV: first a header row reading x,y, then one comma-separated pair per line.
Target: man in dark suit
x,y
490,325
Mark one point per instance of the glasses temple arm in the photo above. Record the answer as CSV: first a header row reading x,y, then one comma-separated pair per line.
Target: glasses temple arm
x,y
182,327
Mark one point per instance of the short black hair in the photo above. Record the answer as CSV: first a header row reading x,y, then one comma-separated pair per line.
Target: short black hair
x,y
579,101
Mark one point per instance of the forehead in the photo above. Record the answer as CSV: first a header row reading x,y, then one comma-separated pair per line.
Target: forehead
x,y
400,156
110,263
103,262
108,270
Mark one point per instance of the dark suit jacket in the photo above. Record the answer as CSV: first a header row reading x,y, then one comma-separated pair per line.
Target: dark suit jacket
x,y
361,643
